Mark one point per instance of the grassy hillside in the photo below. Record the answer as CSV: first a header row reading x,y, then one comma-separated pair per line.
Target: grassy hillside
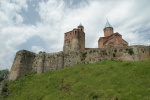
x,y
99,81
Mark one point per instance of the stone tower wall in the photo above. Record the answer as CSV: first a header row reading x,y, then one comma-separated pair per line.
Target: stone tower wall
x,y
108,31
82,40
74,40
22,64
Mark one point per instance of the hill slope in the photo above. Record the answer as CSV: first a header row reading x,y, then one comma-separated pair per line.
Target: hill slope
x,y
99,81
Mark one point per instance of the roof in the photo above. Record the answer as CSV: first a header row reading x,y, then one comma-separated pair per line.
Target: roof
x,y
107,24
80,24
111,36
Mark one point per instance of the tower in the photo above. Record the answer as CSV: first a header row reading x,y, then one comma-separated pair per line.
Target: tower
x,y
81,27
108,29
81,37
74,40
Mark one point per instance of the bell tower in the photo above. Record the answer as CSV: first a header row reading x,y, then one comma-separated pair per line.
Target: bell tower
x,y
81,27
81,37
108,29
74,40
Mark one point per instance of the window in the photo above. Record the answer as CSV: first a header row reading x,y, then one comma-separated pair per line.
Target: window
x,y
114,55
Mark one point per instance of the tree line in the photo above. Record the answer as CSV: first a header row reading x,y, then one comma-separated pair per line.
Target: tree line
x,y
3,74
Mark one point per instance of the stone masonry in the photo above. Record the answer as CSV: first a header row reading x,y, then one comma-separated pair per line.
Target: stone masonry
x,y
74,52
74,40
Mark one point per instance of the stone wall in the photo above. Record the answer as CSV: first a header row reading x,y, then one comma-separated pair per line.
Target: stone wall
x,y
133,53
108,31
72,58
48,61
74,40
22,64
26,61
53,61
143,52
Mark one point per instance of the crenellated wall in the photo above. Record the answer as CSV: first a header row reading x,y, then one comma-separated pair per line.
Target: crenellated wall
x,y
26,61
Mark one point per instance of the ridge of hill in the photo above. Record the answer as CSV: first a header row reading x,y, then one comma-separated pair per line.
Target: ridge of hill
x,y
103,80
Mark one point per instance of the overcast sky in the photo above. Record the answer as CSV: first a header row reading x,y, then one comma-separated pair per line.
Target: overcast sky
x,y
39,25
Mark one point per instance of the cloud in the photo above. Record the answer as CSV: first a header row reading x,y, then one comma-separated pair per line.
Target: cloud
x,y
9,11
40,25
31,15
37,48
51,11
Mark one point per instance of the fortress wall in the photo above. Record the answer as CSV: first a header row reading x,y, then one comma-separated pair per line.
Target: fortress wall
x,y
48,61
22,64
95,55
38,63
126,53
26,61
53,61
72,58
133,53
144,52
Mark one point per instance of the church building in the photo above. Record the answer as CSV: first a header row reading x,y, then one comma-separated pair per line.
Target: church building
x,y
110,38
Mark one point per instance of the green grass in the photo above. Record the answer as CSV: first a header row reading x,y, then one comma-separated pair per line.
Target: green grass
x,y
99,81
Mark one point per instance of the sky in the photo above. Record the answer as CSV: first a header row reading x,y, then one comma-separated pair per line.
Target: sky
x,y
39,25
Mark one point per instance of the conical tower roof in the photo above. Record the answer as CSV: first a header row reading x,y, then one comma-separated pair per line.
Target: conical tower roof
x,y
80,24
107,24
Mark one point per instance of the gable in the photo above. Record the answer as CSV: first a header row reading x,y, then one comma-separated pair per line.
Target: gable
x,y
115,39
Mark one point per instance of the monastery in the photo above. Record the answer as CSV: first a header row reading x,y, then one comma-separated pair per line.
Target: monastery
x,y
75,40
111,46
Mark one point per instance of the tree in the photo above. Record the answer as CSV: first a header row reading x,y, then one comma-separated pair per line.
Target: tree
x,y
3,74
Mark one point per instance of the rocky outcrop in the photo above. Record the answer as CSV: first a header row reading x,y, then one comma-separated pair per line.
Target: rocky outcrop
x,y
26,61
